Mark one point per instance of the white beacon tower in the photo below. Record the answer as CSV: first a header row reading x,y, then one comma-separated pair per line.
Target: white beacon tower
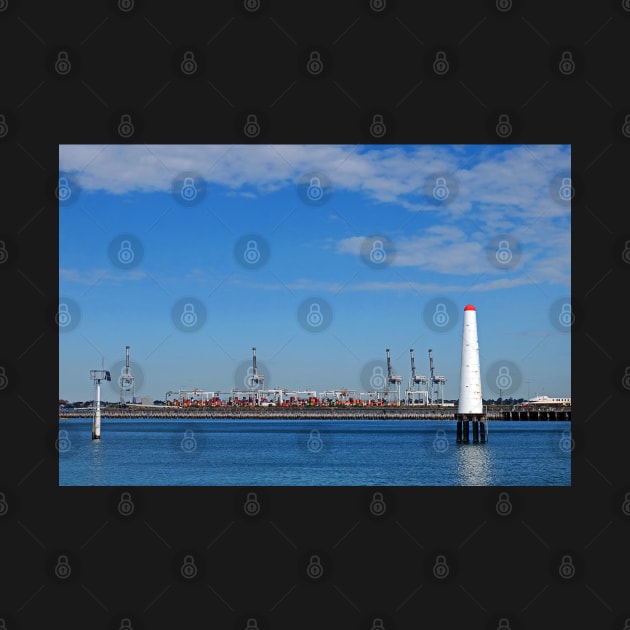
x,y
470,401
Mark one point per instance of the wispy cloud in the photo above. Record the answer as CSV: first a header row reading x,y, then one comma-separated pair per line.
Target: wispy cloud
x,y
93,276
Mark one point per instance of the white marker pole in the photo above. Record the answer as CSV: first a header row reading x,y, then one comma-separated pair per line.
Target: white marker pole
x,y
470,400
96,423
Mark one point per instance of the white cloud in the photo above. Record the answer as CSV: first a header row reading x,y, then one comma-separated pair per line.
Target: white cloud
x,y
94,276
500,190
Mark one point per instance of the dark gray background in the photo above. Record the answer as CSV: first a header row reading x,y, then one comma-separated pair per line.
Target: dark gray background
x,y
375,62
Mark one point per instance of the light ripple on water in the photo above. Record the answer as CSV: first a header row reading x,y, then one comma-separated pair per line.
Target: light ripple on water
x,y
279,452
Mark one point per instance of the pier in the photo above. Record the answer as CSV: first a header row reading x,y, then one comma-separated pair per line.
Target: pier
x,y
312,413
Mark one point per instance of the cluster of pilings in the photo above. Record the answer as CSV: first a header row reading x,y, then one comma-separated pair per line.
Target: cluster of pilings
x,y
478,429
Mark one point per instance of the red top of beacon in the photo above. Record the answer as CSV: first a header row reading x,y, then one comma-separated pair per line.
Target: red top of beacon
x,y
469,307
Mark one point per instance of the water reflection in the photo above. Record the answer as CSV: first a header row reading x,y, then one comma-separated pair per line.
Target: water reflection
x,y
98,456
474,465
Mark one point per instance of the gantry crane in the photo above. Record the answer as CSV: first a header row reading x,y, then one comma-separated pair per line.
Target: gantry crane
x,y
414,392
393,379
437,384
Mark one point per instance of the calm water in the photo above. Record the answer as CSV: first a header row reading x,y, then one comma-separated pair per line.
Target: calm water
x,y
305,453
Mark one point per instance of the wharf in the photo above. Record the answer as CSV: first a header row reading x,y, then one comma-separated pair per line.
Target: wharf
x,y
312,413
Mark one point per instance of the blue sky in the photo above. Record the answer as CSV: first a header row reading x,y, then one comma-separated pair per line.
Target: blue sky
x,y
379,245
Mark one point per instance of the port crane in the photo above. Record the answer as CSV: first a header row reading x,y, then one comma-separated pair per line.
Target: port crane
x,y
415,395
127,380
437,384
392,379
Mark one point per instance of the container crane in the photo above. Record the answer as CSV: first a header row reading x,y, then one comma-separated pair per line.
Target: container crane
x,y
437,383
414,393
127,380
393,379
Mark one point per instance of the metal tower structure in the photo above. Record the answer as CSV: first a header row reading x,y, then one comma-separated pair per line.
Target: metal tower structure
x,y
255,380
392,379
127,380
414,393
97,376
437,384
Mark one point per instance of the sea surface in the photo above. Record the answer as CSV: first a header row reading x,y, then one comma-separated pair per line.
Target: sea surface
x,y
258,452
